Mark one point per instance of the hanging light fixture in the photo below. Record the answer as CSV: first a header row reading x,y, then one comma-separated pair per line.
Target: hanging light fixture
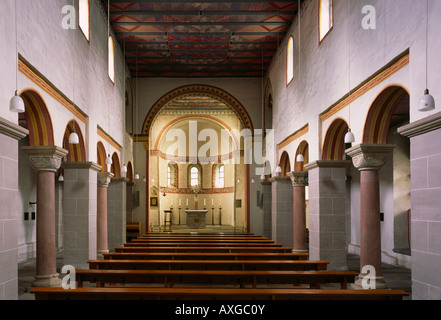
x,y
300,158
136,176
427,102
109,160
124,169
349,137
16,104
279,169
73,138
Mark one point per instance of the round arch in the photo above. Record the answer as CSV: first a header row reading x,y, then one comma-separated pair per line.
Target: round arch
x,y
101,156
130,175
285,164
115,168
201,90
302,149
380,114
38,119
77,152
334,144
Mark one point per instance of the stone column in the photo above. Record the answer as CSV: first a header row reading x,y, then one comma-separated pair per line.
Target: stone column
x,y
368,159
46,160
282,210
299,182
267,208
80,212
102,235
116,212
327,199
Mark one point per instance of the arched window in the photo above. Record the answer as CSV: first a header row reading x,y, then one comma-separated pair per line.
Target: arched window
x,y
219,173
290,60
195,175
326,20
111,60
84,18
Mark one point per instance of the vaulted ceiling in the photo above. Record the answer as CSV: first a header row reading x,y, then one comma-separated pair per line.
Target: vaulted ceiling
x,y
180,38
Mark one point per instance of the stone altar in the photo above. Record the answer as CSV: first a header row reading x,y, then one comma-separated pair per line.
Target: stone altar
x,y
196,219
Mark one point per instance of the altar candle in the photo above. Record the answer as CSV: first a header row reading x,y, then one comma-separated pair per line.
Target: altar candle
x,y
187,202
205,202
212,201
179,202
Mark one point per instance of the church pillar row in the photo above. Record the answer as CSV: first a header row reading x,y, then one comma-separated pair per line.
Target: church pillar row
x,y
102,237
368,159
299,182
327,201
45,161
80,212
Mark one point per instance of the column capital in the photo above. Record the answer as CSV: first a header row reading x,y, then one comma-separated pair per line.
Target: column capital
x,y
278,178
299,178
369,156
45,158
119,179
104,179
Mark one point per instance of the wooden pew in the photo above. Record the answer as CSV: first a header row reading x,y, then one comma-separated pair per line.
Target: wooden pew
x,y
133,230
171,278
203,256
210,294
189,236
202,240
178,234
199,244
291,265
205,249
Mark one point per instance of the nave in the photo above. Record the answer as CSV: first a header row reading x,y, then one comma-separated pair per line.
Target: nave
x,y
187,270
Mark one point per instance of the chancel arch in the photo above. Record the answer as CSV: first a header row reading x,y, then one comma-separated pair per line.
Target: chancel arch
x,y
199,127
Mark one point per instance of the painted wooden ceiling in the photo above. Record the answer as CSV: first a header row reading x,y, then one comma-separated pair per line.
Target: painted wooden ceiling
x,y
180,38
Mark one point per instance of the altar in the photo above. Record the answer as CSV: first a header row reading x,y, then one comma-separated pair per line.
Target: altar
x,y
196,219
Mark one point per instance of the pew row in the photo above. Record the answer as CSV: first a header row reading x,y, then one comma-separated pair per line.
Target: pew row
x,y
215,249
171,278
292,265
203,256
200,244
211,294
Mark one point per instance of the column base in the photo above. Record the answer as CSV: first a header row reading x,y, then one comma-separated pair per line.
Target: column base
x,y
47,281
379,283
99,254
299,251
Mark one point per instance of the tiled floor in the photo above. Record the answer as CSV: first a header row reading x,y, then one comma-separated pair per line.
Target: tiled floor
x,y
396,277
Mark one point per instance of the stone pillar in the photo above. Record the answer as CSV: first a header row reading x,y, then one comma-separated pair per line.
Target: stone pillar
x,y
425,173
102,232
327,198
46,160
368,159
116,212
299,182
267,208
80,213
282,210
10,134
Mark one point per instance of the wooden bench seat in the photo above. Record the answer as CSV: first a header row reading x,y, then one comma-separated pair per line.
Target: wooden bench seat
x,y
220,234
203,256
291,265
205,249
199,244
211,294
203,240
133,230
171,278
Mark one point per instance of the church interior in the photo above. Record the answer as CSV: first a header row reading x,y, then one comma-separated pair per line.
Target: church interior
x,y
310,127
